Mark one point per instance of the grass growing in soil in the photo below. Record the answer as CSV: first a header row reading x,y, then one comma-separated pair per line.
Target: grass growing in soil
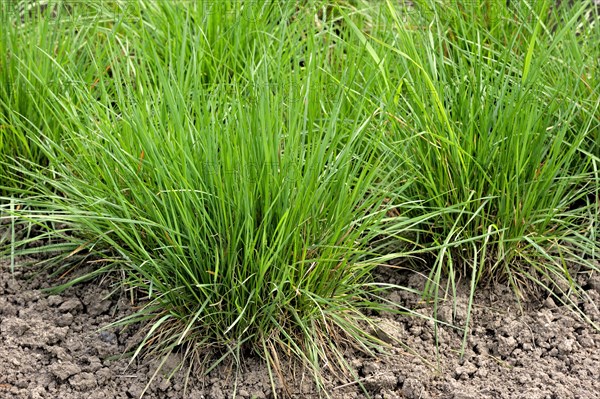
x,y
246,166
498,121
237,189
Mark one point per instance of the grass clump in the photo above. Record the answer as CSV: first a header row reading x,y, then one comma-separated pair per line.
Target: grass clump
x,y
498,133
240,201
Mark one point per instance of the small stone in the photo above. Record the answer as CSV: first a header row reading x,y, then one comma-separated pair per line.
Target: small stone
x,y
30,296
64,320
566,346
62,371
444,314
55,300
466,370
94,364
545,317
585,341
104,375
506,345
71,304
135,391
482,372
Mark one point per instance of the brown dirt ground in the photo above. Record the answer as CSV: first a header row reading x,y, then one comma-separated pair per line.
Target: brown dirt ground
x,y
50,347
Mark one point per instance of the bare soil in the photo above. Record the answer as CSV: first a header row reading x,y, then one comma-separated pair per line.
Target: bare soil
x,y
51,347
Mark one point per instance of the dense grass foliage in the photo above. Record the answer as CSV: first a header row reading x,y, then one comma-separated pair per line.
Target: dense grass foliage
x,y
49,54
236,189
246,166
499,123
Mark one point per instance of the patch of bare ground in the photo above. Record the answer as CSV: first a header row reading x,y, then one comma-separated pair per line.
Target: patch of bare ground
x,y
51,347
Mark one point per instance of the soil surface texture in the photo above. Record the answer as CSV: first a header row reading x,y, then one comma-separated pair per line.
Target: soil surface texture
x,y
51,347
